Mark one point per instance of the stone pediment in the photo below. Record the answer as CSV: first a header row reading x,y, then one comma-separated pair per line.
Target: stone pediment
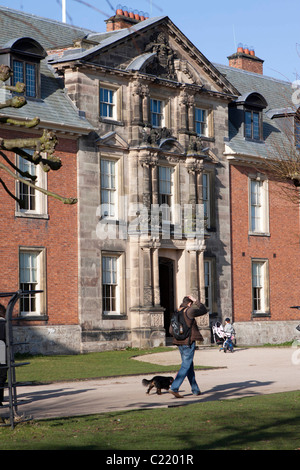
x,y
163,51
112,139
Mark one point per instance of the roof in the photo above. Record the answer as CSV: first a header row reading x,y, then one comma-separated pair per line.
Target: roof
x,y
50,34
106,40
116,37
55,109
277,94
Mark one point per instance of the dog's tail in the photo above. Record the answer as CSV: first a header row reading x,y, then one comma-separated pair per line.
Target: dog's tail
x,y
146,382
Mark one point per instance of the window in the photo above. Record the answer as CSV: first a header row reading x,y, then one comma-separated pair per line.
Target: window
x,y
107,103
33,201
260,281
256,206
25,72
112,291
109,283
165,196
108,188
32,274
201,121
156,110
252,125
27,193
259,206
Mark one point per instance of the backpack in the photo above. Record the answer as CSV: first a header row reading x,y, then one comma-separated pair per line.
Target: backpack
x,y
179,327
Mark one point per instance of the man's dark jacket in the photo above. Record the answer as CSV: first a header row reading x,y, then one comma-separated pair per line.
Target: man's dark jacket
x,y
197,309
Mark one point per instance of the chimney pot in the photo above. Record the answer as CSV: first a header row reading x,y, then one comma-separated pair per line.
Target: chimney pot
x,y
245,59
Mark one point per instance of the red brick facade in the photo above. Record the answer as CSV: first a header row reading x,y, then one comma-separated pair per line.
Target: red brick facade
x,y
57,234
281,248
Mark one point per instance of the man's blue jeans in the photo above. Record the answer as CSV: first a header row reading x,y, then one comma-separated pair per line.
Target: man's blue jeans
x,y
186,369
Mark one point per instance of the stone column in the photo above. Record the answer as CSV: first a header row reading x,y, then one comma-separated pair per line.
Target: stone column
x,y
192,184
190,217
146,105
137,111
191,111
155,260
201,275
196,250
199,183
145,160
147,276
183,109
154,171
194,273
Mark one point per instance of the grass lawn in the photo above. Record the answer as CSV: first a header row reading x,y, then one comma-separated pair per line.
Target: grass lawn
x,y
266,422
45,369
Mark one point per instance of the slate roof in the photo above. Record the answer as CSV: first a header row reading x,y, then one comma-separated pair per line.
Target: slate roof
x,y
107,40
54,107
49,33
277,93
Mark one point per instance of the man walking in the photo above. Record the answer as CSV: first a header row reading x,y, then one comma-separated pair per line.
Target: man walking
x,y
192,308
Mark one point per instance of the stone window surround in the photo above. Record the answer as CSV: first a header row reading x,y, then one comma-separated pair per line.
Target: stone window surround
x,y
42,283
121,289
265,312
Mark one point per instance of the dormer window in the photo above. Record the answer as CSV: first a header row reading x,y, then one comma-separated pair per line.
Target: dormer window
x,y
246,114
25,72
254,103
24,55
252,125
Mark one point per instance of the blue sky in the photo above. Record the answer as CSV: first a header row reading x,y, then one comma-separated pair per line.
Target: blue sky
x,y
215,27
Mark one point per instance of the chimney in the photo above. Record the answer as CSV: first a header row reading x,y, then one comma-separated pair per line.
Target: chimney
x,y
246,59
124,18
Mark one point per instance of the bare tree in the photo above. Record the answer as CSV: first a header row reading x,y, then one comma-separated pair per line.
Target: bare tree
x,y
283,160
43,147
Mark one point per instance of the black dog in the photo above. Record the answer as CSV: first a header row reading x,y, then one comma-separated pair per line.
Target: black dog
x,y
159,382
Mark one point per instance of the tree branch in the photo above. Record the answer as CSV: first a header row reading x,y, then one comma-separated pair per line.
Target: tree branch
x,y
15,102
20,202
16,122
25,174
65,200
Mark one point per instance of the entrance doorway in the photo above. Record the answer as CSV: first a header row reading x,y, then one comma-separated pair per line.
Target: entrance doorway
x,y
166,287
